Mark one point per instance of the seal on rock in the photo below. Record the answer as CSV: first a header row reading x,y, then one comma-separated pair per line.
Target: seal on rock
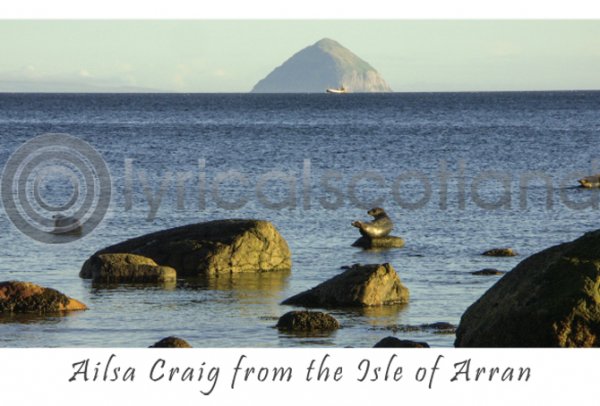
x,y
381,225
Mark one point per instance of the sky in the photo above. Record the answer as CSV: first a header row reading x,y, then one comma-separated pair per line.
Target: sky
x,y
231,56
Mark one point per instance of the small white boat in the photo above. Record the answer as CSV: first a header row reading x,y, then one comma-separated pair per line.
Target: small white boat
x,y
333,90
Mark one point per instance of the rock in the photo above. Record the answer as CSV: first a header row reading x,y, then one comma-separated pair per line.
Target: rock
x,y
171,342
488,272
361,285
500,252
379,242
215,247
26,297
66,225
590,182
307,321
393,342
325,64
550,299
126,268
439,327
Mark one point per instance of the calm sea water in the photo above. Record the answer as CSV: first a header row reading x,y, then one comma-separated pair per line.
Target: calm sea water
x,y
391,147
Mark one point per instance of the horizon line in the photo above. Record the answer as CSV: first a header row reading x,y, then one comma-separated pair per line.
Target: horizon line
x,y
307,93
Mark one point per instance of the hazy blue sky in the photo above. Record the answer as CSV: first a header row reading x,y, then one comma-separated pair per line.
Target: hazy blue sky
x,y
231,56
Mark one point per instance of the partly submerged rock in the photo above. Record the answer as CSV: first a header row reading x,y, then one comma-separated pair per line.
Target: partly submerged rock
x,y
500,252
440,327
393,342
590,182
550,299
214,247
488,272
379,242
171,342
303,320
27,297
126,268
361,285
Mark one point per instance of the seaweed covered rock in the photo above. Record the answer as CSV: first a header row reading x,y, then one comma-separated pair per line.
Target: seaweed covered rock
x,y
171,342
590,182
550,299
125,268
393,342
215,247
360,285
500,252
27,297
389,241
303,320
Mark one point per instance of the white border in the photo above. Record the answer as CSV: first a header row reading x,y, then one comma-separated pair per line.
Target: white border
x,y
557,377
307,9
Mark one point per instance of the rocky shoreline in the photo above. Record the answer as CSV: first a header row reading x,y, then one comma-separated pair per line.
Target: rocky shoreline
x,y
549,299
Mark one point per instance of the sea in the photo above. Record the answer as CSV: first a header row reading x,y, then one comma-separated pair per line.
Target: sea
x,y
458,173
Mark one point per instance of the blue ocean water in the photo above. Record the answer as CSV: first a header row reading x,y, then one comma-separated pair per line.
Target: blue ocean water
x,y
459,173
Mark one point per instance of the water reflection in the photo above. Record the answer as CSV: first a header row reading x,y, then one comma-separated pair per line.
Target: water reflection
x,y
97,287
376,316
307,334
266,284
33,318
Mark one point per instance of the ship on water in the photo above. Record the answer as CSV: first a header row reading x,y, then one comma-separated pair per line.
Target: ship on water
x,y
342,89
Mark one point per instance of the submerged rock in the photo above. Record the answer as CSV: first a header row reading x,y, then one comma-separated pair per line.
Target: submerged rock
x,y
215,247
550,299
500,252
171,342
361,285
379,242
307,321
590,182
488,272
393,342
439,327
126,268
27,297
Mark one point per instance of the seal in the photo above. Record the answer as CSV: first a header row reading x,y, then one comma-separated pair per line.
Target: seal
x,y
381,225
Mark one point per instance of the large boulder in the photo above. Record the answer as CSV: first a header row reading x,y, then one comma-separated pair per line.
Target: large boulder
x,y
126,268
550,299
360,285
302,320
215,247
27,297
